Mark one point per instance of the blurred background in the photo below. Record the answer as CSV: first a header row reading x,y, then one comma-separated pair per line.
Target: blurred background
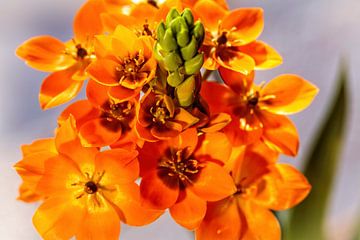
x,y
312,36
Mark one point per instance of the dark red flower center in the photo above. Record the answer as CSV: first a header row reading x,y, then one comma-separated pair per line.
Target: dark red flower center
x,y
91,187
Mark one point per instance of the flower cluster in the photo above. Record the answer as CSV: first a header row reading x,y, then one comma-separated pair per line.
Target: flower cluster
x,y
154,133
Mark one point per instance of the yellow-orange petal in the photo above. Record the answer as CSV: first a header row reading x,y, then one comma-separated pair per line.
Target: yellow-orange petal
x,y
58,88
46,144
101,222
185,118
287,94
103,71
119,165
235,60
81,110
210,62
87,22
258,217
189,210
124,41
121,94
264,55
45,53
112,20
217,122
215,146
222,221
100,132
210,14
159,190
132,212
186,139
280,134
285,188
52,218
248,23
213,183
237,81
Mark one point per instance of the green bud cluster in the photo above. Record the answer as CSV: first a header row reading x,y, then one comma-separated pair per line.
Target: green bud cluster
x,y
177,51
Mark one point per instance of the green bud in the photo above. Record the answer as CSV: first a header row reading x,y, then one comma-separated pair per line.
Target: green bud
x,y
172,61
190,50
182,38
175,78
168,43
161,31
185,92
199,32
172,14
187,15
178,24
193,65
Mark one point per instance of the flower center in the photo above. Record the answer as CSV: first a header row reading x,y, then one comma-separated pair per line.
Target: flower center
x,y
91,187
222,39
253,99
179,163
159,112
130,67
121,111
153,3
81,52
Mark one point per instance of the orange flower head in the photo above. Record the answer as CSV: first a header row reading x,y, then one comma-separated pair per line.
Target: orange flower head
x,y
258,111
100,120
262,185
231,36
90,189
159,119
185,172
125,63
67,61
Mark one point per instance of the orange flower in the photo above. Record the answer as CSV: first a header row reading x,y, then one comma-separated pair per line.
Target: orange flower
x,y
159,119
185,172
262,186
89,189
67,61
258,111
230,39
102,121
125,63
191,3
31,167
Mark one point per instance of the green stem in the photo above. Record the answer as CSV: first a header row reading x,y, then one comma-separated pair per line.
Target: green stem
x,y
207,74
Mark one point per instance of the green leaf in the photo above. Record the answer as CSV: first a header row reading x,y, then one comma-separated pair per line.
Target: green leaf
x,y
307,220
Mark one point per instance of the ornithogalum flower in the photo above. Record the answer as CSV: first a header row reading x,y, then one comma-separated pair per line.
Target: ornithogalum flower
x,y
262,185
185,172
67,61
159,119
88,192
100,120
125,63
258,112
231,36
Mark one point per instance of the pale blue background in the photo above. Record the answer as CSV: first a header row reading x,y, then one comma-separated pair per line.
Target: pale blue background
x,y
312,35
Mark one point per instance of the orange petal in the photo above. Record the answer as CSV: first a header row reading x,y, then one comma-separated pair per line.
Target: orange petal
x,y
27,193
45,53
287,94
97,94
46,144
210,62
120,166
258,217
215,146
216,123
189,210
185,118
101,222
248,23
285,187
238,82
264,55
211,89
81,110
167,132
210,14
222,221
145,133
186,139
150,154
235,60
100,132
58,88
52,218
159,190
280,134
87,22
132,212
121,94
213,183
103,71
124,41
112,20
